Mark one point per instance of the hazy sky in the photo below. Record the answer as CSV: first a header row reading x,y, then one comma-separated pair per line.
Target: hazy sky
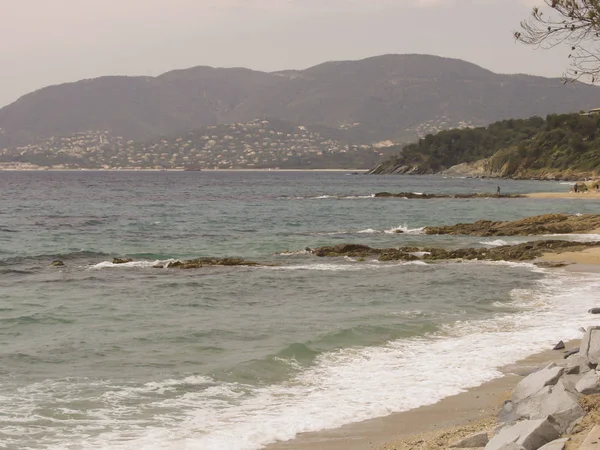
x,y
45,42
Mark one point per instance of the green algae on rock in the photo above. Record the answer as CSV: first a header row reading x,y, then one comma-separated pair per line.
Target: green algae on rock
x,y
57,263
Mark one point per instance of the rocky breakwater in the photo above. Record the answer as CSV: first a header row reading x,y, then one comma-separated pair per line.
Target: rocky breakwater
x,y
553,408
536,225
520,252
419,196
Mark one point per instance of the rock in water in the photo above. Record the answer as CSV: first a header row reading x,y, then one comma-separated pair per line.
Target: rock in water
x,y
121,260
559,346
57,263
594,311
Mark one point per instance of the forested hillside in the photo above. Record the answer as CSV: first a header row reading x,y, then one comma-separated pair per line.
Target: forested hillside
x,y
560,146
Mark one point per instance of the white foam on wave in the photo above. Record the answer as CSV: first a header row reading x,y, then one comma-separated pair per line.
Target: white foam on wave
x,y
351,385
369,231
341,267
496,243
131,264
404,229
578,237
294,253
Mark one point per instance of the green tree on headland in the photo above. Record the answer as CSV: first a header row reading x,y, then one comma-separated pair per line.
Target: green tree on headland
x,y
572,22
560,146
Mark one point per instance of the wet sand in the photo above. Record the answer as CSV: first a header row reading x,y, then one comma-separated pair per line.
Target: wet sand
x,y
558,195
428,427
584,261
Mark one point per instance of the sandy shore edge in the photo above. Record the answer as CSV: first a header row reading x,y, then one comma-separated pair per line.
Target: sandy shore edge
x,y
558,195
436,426
431,426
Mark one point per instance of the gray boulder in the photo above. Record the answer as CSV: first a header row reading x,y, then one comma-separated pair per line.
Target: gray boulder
x,y
590,345
531,434
559,346
472,441
508,412
589,383
558,444
531,384
553,401
594,311
512,446
573,364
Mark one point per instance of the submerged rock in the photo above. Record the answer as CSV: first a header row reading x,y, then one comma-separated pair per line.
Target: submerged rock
x,y
202,262
57,263
544,224
121,260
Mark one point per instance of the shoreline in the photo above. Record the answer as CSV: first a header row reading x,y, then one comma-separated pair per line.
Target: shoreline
x,y
430,426
452,418
133,169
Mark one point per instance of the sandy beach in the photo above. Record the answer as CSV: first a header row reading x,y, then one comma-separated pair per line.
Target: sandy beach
x,y
560,195
586,260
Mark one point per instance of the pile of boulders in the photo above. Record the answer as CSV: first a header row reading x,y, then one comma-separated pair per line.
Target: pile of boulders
x,y
545,404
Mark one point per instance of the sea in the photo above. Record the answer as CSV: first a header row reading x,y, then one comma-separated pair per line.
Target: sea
x,y
95,355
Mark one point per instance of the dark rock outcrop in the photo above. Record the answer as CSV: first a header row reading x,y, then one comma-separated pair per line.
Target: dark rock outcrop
x,y
413,195
519,252
544,224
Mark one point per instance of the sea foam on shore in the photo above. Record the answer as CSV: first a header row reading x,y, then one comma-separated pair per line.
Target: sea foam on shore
x,y
354,384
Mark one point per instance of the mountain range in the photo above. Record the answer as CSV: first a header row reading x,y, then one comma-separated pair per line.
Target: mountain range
x,y
390,97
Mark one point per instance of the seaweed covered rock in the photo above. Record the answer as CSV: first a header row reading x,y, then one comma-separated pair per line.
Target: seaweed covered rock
x,y
57,263
202,262
544,224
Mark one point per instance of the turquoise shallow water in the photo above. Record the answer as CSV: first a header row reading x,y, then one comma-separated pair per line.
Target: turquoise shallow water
x,y
98,356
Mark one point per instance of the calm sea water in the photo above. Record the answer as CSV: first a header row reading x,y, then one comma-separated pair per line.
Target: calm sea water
x,y
94,355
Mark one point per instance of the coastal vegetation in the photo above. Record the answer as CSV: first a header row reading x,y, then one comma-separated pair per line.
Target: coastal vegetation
x,y
561,146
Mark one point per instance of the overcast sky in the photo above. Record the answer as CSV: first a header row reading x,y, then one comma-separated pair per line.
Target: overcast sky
x,y
44,42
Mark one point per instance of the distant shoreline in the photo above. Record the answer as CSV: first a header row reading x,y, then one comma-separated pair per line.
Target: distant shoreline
x,y
43,169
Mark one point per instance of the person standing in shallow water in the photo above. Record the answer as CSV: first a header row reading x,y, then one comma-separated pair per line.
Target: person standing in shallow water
x,y
498,191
